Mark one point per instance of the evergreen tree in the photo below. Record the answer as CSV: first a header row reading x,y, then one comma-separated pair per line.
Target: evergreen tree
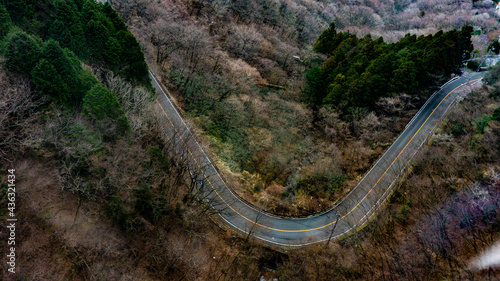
x,y
315,86
327,41
87,81
68,15
100,104
79,4
101,39
69,67
5,21
496,114
19,10
466,42
48,81
66,67
112,15
97,36
360,71
82,82
23,53
495,46
59,32
112,53
404,80
132,58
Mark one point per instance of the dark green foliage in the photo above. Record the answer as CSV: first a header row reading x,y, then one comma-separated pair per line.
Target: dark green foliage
x,y
68,15
113,16
19,10
465,41
147,205
101,104
23,53
472,65
405,78
60,33
48,81
90,10
60,75
92,30
112,52
496,114
360,71
5,21
87,81
67,66
315,84
328,41
97,35
134,66
74,29
494,47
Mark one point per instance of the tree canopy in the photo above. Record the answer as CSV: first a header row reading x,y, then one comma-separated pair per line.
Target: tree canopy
x,y
58,40
359,71
5,21
92,30
23,53
101,104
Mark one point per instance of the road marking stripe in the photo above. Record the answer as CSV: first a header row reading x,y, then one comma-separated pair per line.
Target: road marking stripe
x,y
320,227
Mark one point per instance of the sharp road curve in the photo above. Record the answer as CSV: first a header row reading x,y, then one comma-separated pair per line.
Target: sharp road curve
x,y
350,213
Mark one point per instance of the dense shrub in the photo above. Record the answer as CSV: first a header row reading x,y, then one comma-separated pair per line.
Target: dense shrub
x,y
48,81
102,105
472,65
23,53
496,114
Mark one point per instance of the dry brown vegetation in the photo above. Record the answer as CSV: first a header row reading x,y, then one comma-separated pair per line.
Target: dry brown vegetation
x,y
90,209
237,69
442,215
78,194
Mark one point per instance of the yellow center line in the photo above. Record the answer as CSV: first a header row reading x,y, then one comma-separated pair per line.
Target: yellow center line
x,y
320,227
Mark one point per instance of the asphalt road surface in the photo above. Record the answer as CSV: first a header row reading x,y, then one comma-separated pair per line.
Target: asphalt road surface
x,y
349,214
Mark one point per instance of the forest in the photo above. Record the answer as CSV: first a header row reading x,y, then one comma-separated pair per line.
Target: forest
x,y
93,32
359,71
63,34
101,197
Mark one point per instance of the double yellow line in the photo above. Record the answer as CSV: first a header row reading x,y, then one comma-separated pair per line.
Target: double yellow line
x,y
326,225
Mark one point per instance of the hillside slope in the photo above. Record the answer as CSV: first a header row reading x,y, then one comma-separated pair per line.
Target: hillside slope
x,y
238,70
94,205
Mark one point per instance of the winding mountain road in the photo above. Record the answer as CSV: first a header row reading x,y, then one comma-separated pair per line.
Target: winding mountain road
x,y
350,213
